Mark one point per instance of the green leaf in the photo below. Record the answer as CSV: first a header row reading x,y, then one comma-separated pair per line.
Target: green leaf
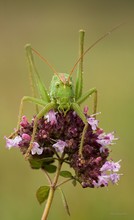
x,y
50,168
35,164
66,174
38,163
47,160
42,193
65,204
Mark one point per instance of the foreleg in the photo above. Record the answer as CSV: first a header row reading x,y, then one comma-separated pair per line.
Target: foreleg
x,y
88,94
43,112
26,99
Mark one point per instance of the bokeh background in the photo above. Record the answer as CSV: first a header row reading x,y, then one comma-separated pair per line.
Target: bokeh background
x,y
52,28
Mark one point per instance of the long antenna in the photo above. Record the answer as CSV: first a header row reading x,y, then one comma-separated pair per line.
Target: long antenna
x,y
96,42
51,67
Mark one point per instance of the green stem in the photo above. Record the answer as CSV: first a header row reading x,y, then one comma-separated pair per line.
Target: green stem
x,y
52,190
48,177
48,204
63,182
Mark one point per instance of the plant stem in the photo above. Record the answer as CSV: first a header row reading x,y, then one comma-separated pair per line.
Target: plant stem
x,y
48,177
63,182
48,204
52,189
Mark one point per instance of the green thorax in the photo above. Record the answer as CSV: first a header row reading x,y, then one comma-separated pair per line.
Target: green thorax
x,y
61,91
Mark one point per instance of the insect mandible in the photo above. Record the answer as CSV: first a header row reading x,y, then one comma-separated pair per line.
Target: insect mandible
x,y
63,95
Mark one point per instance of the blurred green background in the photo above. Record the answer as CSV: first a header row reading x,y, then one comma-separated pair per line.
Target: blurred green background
x,y
52,28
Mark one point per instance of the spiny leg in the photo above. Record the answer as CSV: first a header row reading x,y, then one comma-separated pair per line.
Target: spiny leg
x,y
77,109
79,78
24,99
31,75
41,87
86,95
95,102
43,112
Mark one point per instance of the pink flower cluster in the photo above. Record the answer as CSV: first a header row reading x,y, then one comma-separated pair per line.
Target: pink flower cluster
x,y
113,176
58,133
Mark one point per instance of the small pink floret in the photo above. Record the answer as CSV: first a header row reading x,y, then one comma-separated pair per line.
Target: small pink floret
x,y
13,142
110,166
26,137
24,121
59,146
51,117
106,139
102,180
93,122
98,160
114,177
86,109
36,149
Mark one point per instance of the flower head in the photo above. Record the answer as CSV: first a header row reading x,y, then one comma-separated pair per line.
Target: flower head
x,y
93,122
103,178
36,149
114,177
51,117
106,139
92,168
13,142
110,166
102,181
59,146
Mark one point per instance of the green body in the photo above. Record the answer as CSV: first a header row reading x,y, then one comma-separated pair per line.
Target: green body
x,y
62,94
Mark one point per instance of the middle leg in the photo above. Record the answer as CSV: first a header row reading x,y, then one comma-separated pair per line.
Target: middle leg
x,y
88,94
77,109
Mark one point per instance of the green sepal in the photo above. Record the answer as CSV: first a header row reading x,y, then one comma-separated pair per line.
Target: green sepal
x,y
64,200
50,168
66,174
42,193
36,163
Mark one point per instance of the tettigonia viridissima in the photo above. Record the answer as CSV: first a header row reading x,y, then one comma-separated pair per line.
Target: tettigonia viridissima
x,y
63,95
